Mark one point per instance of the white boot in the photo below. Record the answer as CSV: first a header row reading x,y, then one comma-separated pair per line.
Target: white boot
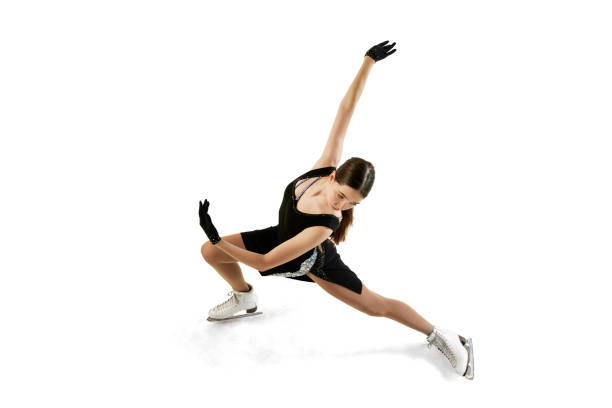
x,y
457,350
236,302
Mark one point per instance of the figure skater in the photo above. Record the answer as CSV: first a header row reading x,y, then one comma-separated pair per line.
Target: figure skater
x,y
314,216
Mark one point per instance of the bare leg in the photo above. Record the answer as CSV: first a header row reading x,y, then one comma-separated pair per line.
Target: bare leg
x,y
232,274
404,314
373,304
224,264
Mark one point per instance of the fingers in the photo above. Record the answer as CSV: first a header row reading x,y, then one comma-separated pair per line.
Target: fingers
x,y
388,47
204,207
385,49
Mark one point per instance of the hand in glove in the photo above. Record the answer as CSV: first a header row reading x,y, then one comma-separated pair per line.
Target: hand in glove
x,y
380,51
206,223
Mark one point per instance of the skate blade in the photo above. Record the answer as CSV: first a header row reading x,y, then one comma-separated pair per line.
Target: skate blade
x,y
212,319
469,372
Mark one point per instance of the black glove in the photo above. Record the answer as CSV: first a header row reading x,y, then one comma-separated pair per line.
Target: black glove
x,y
206,223
380,51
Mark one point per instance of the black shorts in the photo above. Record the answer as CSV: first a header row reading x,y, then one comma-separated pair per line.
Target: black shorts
x,y
330,268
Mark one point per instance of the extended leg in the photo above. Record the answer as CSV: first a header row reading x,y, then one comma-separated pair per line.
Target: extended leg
x,y
373,304
404,314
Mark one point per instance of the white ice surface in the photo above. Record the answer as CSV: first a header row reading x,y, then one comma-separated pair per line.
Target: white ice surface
x,y
490,132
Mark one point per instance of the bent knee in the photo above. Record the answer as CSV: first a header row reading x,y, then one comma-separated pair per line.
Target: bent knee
x,y
208,252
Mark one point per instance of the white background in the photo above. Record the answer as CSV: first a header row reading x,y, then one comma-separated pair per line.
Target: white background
x,y
489,129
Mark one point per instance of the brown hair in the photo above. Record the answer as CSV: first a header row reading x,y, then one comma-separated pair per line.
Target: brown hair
x,y
358,174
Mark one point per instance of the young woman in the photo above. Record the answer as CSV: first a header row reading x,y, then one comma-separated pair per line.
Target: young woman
x,y
316,210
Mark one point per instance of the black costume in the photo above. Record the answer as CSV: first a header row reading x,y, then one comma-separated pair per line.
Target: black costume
x,y
325,265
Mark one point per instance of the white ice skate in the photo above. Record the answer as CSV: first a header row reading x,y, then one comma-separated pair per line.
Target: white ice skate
x,y
236,302
457,349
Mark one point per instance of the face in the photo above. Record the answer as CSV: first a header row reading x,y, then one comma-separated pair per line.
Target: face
x,y
341,197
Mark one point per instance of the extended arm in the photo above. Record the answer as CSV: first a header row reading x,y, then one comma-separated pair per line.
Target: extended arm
x,y
333,149
352,95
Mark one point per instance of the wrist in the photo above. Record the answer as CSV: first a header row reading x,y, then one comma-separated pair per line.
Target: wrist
x,y
367,60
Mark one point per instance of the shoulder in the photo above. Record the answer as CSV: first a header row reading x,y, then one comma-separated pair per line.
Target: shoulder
x,y
323,162
317,171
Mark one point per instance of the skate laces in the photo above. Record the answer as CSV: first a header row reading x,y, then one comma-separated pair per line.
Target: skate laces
x,y
441,344
229,302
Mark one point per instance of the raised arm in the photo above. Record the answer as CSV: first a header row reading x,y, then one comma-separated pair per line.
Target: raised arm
x,y
333,149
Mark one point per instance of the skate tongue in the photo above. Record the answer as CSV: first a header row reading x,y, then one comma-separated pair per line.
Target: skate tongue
x,y
431,335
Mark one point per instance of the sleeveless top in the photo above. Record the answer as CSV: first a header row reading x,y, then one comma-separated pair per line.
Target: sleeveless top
x,y
292,221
